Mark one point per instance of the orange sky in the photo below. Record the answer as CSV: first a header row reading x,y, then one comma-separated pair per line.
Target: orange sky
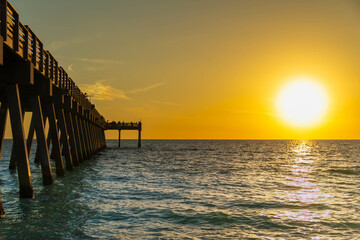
x,y
206,69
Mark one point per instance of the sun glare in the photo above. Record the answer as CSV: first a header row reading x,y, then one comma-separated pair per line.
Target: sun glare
x,y
302,102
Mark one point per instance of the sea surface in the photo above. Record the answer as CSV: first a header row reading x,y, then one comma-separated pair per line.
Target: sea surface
x,y
176,189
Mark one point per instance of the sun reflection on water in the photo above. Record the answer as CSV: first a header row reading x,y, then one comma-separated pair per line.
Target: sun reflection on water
x,y
302,188
302,166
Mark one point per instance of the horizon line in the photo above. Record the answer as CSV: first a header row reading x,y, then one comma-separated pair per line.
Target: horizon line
x,y
245,139
235,139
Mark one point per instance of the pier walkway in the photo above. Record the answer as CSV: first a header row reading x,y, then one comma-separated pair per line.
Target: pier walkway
x,y
31,81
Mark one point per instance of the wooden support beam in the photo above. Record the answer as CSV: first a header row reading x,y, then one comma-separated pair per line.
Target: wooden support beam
x,y
41,141
100,138
77,138
119,138
16,118
48,142
3,118
86,138
91,134
55,140
1,51
74,112
97,132
38,148
95,138
103,137
82,138
91,141
13,163
139,139
64,137
30,137
93,127
72,141
87,133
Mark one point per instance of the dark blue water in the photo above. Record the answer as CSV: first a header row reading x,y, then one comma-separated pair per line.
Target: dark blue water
x,y
194,190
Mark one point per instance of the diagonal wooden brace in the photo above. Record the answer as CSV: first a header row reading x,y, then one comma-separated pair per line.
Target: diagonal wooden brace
x,y
16,118
41,141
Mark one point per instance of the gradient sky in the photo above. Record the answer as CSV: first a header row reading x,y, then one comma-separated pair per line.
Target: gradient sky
x,y
206,69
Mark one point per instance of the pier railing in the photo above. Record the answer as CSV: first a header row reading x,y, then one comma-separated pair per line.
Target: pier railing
x,y
123,125
24,42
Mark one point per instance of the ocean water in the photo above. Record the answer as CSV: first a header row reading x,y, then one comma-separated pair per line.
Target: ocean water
x,y
172,189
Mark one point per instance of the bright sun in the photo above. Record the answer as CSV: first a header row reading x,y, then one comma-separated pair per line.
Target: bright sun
x,y
302,102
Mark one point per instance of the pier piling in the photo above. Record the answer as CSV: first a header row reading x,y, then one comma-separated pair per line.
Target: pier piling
x,y
119,138
3,118
139,139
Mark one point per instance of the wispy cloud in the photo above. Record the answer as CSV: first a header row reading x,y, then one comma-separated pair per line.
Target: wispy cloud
x,y
145,89
60,44
70,67
166,103
94,68
94,60
99,61
100,91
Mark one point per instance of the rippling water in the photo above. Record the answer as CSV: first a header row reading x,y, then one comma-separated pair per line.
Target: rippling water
x,y
194,190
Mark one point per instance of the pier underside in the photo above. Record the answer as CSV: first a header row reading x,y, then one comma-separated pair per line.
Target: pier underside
x,y
31,82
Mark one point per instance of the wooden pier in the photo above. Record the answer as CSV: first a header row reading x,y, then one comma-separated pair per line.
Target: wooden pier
x,y
31,81
125,126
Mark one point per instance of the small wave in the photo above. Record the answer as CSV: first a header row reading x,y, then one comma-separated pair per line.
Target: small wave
x,y
345,171
183,149
214,218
